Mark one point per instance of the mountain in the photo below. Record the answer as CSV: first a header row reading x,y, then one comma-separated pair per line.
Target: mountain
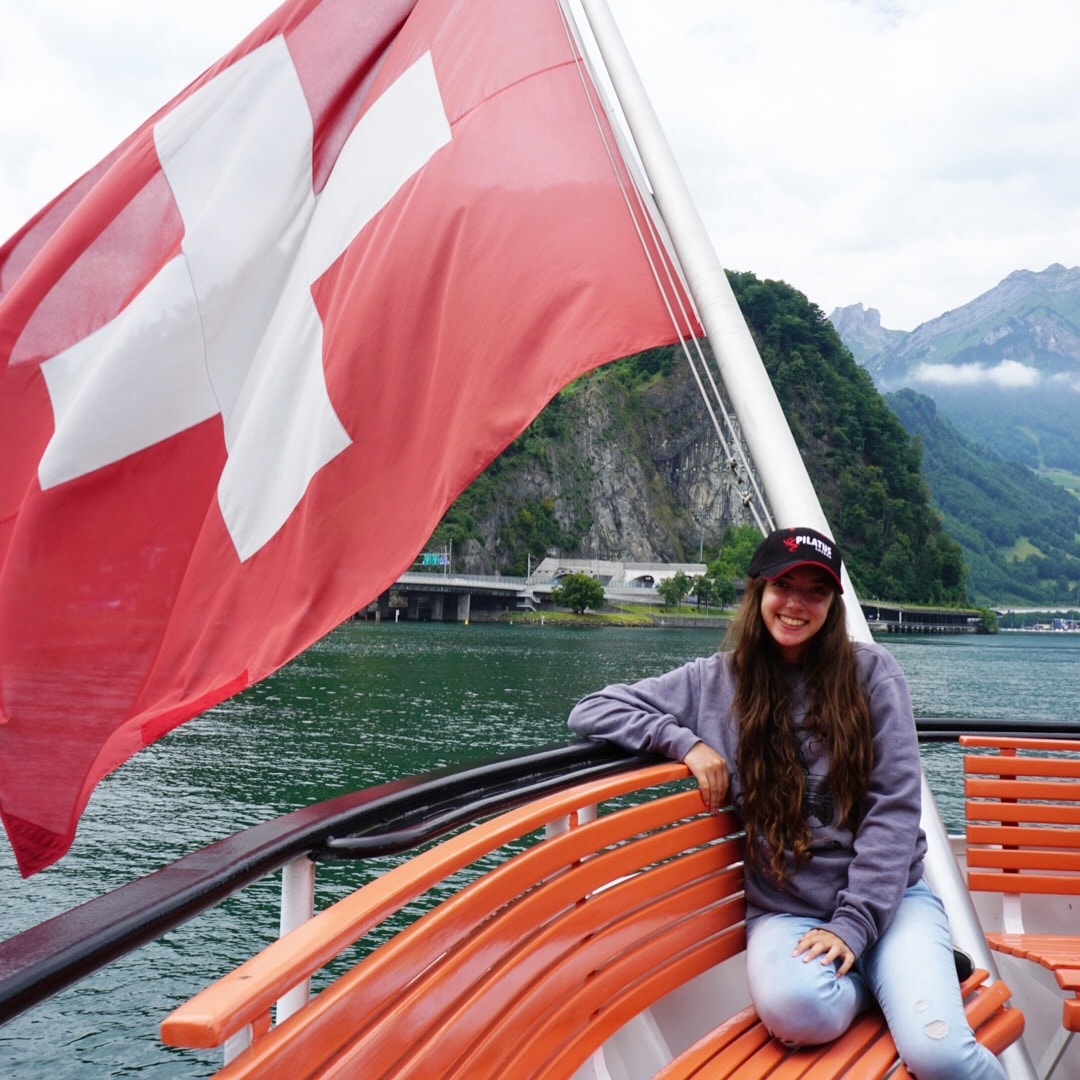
x,y
1018,531
1004,368
861,331
624,463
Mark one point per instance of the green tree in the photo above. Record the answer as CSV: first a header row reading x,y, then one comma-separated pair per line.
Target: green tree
x,y
578,592
672,590
532,527
736,552
725,592
704,589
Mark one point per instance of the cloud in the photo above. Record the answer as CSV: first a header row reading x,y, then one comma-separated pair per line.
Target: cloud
x,y
78,79
904,154
1066,380
908,155
1007,375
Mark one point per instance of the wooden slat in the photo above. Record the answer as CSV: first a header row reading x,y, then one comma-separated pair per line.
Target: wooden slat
x,y
1021,836
1022,882
622,1000
1028,813
332,1018
1037,791
492,1015
1063,862
769,1060
696,1057
997,765
739,1048
1005,815
996,742
1003,1029
1053,951
726,1062
865,1051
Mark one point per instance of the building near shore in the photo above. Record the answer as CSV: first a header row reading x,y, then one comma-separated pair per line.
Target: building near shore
x,y
612,573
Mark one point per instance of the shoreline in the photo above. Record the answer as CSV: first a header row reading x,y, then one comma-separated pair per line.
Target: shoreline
x,y
616,619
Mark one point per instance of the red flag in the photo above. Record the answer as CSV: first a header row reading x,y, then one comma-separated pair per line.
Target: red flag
x,y
250,359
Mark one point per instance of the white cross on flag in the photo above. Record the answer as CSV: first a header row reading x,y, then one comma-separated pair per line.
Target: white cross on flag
x,y
248,361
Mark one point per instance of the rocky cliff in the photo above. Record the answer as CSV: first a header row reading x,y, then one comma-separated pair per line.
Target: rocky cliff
x,y
609,471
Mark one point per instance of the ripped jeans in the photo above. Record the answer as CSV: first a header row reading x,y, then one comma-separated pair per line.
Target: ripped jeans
x,y
910,971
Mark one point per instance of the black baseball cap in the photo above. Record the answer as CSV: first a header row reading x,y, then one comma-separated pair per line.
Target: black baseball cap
x,y
785,549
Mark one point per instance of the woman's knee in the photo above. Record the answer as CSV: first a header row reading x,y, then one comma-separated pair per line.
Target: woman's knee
x,y
800,1003
801,1013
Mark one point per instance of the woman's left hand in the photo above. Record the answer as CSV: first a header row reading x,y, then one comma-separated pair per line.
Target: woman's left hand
x,y
824,943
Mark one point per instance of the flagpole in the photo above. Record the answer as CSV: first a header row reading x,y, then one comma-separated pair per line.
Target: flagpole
x,y
765,429
791,494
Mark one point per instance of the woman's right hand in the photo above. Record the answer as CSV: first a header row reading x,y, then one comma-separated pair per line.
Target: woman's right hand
x,y
711,772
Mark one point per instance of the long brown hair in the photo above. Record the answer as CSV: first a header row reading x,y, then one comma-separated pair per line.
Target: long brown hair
x,y
773,780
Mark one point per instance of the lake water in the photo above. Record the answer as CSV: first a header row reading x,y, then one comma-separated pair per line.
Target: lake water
x,y
367,704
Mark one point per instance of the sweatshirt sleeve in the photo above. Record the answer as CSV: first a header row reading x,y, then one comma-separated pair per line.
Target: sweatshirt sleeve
x,y
888,838
656,716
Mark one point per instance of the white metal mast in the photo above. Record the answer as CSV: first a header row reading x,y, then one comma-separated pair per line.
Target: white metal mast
x,y
787,484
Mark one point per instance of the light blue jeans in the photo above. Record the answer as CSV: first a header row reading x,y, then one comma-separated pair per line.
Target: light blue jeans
x,y
910,971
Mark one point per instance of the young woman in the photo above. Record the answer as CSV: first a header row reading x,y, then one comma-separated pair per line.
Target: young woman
x,y
812,739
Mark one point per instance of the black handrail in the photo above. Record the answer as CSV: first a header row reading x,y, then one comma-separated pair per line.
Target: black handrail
x,y
950,728
383,820
389,818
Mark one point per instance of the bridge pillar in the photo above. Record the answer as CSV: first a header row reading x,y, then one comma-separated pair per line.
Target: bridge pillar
x,y
464,606
414,607
437,607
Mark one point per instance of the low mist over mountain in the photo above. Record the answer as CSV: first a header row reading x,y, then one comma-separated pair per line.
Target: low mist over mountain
x,y
1004,368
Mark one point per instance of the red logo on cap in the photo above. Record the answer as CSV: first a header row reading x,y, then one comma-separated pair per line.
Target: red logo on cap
x,y
792,544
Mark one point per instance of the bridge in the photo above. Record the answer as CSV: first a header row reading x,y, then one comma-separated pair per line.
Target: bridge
x,y
889,618
459,597
435,597
446,597
438,595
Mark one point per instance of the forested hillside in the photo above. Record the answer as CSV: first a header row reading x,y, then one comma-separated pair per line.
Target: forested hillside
x,y
866,468
624,464
1018,532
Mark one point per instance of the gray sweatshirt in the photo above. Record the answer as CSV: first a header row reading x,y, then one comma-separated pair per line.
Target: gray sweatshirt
x,y
852,883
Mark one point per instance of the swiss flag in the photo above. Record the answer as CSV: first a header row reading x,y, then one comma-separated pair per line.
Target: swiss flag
x,y
250,359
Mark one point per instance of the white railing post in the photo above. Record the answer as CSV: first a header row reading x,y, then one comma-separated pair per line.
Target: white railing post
x,y
297,906
585,814
236,1044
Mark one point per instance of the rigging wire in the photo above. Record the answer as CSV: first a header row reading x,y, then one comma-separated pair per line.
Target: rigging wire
x,y
653,238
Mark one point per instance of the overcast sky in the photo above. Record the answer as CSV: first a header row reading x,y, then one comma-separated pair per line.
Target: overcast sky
x,y
905,154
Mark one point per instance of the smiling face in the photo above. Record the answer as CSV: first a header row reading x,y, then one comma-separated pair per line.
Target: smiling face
x,y
794,608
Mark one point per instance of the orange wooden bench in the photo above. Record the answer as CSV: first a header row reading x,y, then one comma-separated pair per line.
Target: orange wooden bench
x,y
529,968
741,1046
1022,801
